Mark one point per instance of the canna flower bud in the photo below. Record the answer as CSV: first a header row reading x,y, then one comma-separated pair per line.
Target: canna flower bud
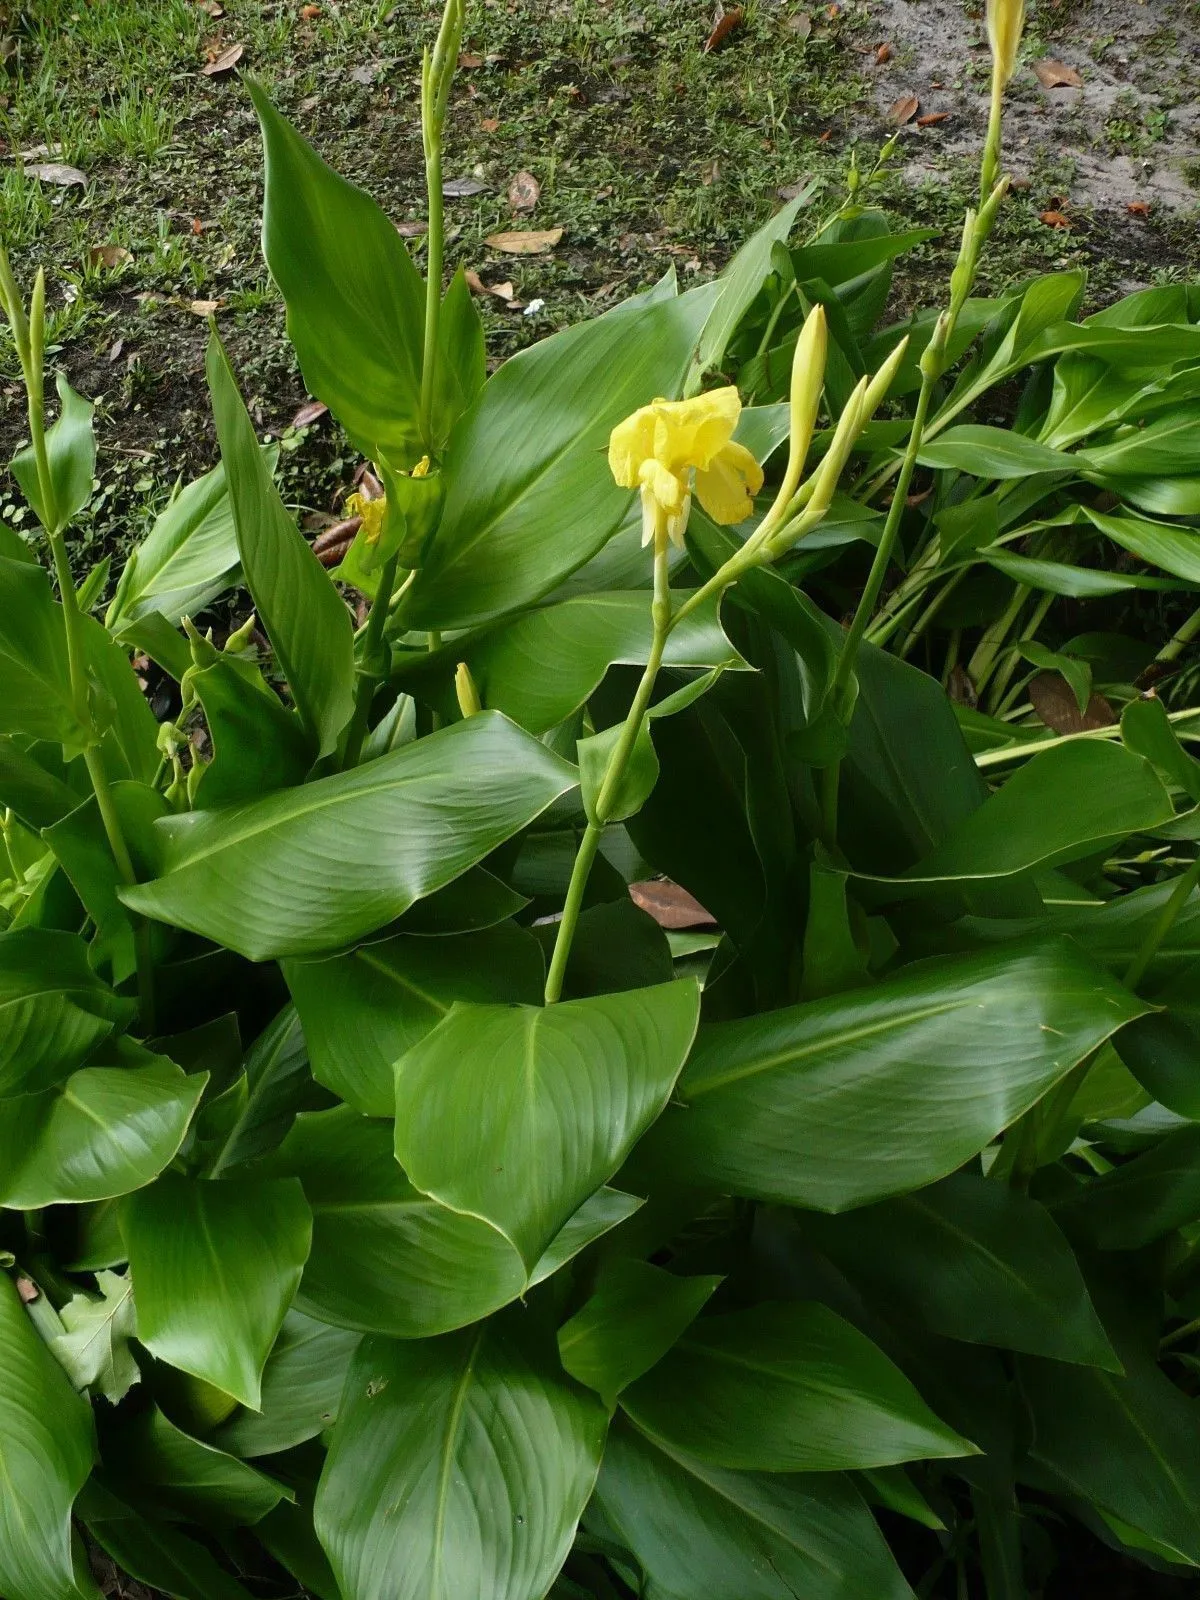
x,y
808,384
825,478
1005,25
469,702
882,381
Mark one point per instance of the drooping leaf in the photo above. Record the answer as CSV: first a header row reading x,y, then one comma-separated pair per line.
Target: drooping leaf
x,y
53,1008
94,1350
215,1266
160,1468
155,1552
258,878
301,1389
35,684
458,1466
258,744
495,1094
989,452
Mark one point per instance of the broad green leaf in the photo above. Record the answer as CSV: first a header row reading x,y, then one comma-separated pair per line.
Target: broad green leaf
x,y
786,1387
355,302
842,260
259,877
46,1450
883,1090
742,281
1163,544
288,1533
53,1009
258,744
301,1389
94,1349
497,1093
974,1260
159,1466
461,369
642,768
1077,583
987,452
634,1317
31,787
544,665
1143,1199
304,616
459,1466
1146,730
698,1530
35,685
362,1010
154,1552
529,493
109,1129
278,1085
71,449
1167,446
215,1266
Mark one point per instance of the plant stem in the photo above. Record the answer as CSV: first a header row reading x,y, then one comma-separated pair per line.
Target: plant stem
x,y
1181,638
1177,1335
372,670
1018,752
437,74
660,612
1163,924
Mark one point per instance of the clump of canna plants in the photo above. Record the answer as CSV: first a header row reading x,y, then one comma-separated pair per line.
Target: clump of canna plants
x,y
387,1197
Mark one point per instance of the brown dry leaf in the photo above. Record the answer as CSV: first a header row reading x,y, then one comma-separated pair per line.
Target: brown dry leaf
x,y
960,688
204,308
1055,219
223,63
109,255
932,117
883,55
411,230
331,544
213,7
474,282
1138,208
490,124
114,354
824,138
904,109
309,412
524,192
799,22
534,242
1056,75
468,63
1054,701
58,173
670,904
309,12
728,22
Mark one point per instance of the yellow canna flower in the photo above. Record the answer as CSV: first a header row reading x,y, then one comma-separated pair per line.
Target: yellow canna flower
x,y
372,513
659,449
1005,24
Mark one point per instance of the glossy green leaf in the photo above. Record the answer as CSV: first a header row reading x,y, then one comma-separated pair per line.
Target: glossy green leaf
x,y
35,685
1141,1200
258,744
362,1010
987,452
30,787
46,1451
1166,445
301,1389
278,1086
304,616
155,1553
529,493
459,1466
1077,583
161,1467
634,1317
109,1129
974,1260
71,451
215,1266
697,1530
53,1009
1146,730
94,1348
1163,544
355,302
883,1090
786,1387
259,877
743,279
461,370
496,1093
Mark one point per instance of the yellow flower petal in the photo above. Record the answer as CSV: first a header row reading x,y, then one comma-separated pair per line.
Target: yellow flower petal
x,y
693,432
631,443
727,488
668,488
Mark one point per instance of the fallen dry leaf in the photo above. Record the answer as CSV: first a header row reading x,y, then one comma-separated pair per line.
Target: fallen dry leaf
x,y
197,226
904,109
960,688
931,117
309,412
367,72
799,22
109,255
534,242
213,7
468,63
883,55
114,354
789,191
824,138
204,308
309,12
1055,219
1054,701
462,188
330,545
411,230
490,124
56,172
524,192
223,63
728,22
1138,208
670,904
1056,75
37,151
474,282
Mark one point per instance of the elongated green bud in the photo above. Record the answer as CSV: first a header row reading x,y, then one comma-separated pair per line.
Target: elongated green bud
x,y
469,702
37,327
808,383
825,479
1005,25
882,381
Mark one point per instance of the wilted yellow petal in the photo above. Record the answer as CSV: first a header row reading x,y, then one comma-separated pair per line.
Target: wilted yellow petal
x,y
726,489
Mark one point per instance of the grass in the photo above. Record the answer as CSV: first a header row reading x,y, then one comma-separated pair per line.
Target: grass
x,y
649,153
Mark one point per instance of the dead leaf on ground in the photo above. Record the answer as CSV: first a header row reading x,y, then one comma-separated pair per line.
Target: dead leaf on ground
x,y
109,255
36,152
490,124
1138,208
790,191
468,63
1054,701
114,355
57,172
534,242
799,22
223,63
367,72
197,227
1054,219
204,308
308,413
524,192
462,188
1056,75
670,904
728,22
904,109
411,230
931,117
883,55
213,7
309,12
474,282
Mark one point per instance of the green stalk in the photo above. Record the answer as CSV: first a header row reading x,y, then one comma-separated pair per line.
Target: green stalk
x,y
1180,639
613,774
437,75
373,664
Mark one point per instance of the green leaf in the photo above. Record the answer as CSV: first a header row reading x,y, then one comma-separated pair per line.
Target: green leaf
x,y
461,369
1142,1200
32,784
634,1317
258,877
109,1129
71,448
1167,446
696,1530
53,1008
215,1266
1146,730
157,1465
974,1260
459,1466
362,1010
986,452
301,1389
786,1387
1162,544
35,684
1077,583
529,494
304,616
94,1350
355,302
278,1085
742,281
258,744
642,768
154,1553
1076,672
793,1105
497,1093
287,1532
